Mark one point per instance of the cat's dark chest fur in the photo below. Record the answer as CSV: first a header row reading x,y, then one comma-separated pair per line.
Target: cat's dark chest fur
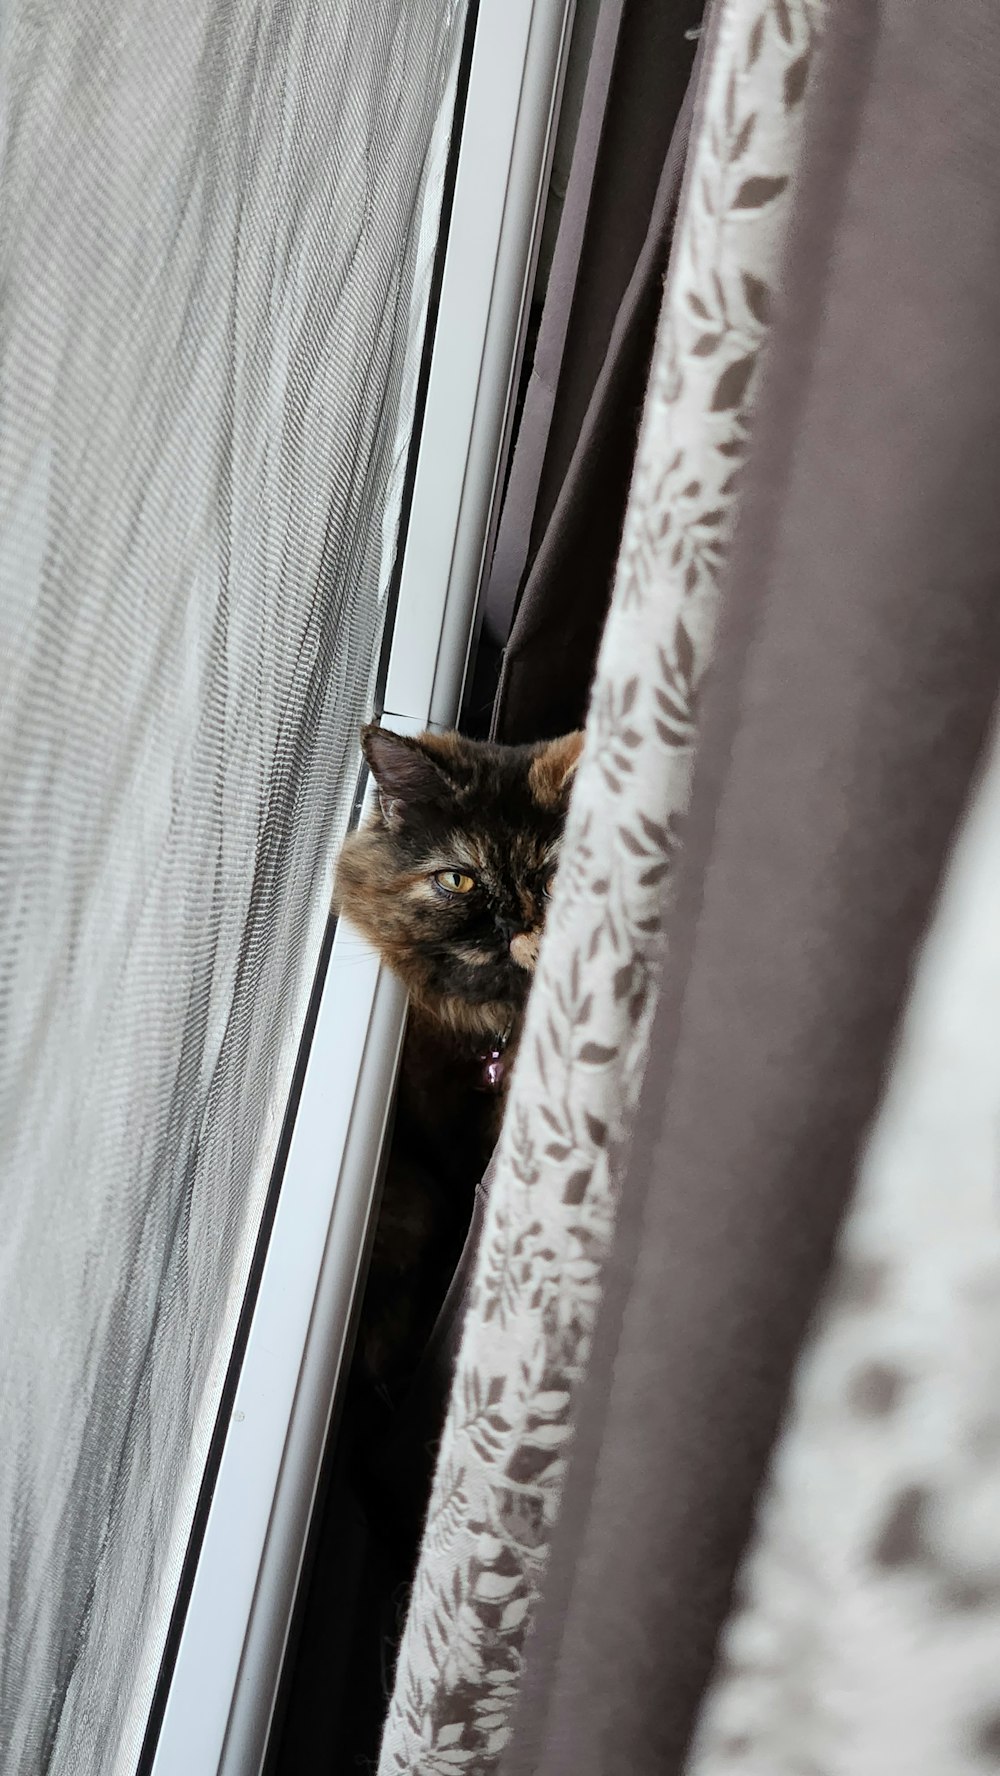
x,y
449,878
449,1108
446,1125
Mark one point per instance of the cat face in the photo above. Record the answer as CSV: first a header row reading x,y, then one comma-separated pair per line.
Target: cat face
x,y
450,878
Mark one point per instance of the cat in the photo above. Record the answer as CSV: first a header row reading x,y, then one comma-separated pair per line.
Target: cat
x,y
449,879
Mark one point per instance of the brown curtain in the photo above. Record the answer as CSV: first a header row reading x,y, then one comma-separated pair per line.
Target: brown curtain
x,y
857,669
554,564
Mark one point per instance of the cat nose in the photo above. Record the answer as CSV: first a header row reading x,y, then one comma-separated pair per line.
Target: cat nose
x,y
508,928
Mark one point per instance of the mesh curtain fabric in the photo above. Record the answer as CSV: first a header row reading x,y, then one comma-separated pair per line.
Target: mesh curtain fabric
x,y
217,228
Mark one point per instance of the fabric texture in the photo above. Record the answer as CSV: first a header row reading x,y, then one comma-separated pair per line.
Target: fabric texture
x,y
653,60
514,534
855,676
565,504
217,229
548,1223
867,1630
868,1635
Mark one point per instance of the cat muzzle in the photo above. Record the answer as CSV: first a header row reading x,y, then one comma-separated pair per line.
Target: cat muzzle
x,y
524,949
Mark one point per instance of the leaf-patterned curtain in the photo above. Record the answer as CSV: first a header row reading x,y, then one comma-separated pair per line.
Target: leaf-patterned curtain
x,y
548,1226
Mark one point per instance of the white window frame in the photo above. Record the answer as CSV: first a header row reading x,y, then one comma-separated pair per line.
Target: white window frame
x,y
225,1673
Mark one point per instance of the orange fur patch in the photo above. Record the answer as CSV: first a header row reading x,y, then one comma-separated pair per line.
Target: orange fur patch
x,y
524,949
554,766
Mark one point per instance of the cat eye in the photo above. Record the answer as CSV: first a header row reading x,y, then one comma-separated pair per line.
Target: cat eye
x,y
455,881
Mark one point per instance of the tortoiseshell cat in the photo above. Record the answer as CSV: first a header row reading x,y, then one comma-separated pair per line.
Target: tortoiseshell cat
x,y
449,881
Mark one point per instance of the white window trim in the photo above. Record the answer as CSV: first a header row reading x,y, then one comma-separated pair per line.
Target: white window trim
x,y
225,1674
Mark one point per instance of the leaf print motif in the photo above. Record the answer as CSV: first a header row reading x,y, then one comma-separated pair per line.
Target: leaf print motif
x,y
523,1153
755,192
617,739
674,720
597,1130
732,384
575,1187
757,297
796,78
550,1219
651,859
744,137
596,1054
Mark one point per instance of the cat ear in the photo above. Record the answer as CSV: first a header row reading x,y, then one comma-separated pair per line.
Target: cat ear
x,y
405,773
553,767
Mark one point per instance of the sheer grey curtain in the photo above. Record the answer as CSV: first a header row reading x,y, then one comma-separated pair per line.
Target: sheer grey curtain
x,y
217,223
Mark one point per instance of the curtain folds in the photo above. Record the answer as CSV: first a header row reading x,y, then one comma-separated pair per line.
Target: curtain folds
x,y
549,1222
853,685
573,459
867,1635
